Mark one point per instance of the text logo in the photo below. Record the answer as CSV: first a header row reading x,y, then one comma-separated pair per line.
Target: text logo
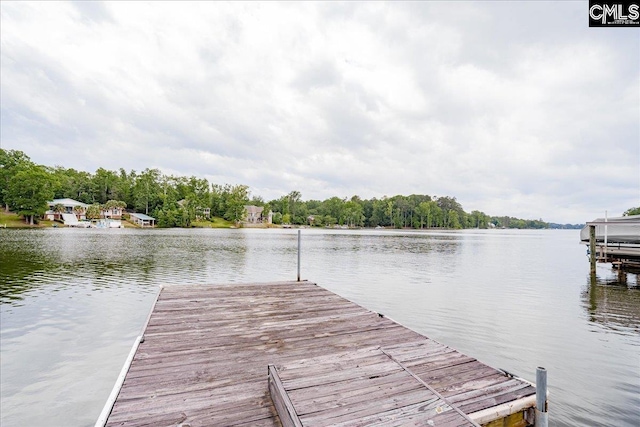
x,y
614,14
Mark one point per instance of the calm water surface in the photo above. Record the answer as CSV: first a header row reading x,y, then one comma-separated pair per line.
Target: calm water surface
x,y
72,302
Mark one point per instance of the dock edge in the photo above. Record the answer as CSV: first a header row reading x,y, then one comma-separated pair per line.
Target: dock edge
x,y
108,406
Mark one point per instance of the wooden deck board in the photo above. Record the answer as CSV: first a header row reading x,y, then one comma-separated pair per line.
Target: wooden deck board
x,y
206,350
364,385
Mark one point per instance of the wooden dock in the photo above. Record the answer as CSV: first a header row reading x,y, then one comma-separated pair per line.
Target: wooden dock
x,y
205,355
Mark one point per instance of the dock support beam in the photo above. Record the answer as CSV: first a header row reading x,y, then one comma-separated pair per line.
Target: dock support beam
x,y
606,243
592,248
542,417
298,255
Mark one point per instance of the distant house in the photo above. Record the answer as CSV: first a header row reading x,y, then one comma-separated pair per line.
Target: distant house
x,y
113,213
142,220
254,215
70,206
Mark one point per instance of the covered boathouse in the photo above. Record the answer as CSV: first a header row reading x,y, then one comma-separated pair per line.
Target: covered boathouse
x,y
142,220
615,240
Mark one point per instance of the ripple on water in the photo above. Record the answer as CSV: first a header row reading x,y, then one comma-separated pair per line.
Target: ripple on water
x,y
72,302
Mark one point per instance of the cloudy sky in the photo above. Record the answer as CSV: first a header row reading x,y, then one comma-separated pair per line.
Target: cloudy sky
x,y
514,108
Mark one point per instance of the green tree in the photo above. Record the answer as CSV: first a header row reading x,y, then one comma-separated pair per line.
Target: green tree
x,y
329,220
125,184
29,190
94,211
453,219
188,210
293,198
216,201
147,190
282,205
73,184
333,208
198,192
277,218
104,186
423,212
632,211
436,216
237,199
379,213
58,208
115,204
11,161
448,204
478,219
78,210
367,211
111,204
302,213
353,216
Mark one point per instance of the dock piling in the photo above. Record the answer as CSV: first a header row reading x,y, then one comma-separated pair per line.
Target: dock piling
x,y
592,248
606,240
542,416
298,255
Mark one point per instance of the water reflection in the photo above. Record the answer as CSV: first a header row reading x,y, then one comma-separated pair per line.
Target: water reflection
x,y
42,261
613,301
373,243
17,273
31,261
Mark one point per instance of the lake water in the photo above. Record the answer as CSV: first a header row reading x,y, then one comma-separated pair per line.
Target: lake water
x,y
73,300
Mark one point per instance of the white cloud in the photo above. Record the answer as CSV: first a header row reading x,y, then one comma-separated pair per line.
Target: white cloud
x,y
475,100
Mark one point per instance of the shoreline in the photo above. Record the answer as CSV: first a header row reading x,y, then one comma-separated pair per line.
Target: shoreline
x,y
11,220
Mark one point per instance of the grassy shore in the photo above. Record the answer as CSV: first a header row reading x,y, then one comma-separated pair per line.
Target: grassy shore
x,y
214,223
13,220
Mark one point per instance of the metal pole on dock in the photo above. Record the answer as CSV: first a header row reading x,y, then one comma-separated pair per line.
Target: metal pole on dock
x,y
542,417
606,242
298,255
592,248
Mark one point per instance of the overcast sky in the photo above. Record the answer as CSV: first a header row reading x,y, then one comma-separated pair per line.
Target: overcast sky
x,y
514,108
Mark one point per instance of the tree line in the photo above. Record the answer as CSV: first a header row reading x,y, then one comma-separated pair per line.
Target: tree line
x,y
177,201
414,211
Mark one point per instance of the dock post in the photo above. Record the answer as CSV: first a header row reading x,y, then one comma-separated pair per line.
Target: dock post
x,y
542,417
606,243
592,248
298,255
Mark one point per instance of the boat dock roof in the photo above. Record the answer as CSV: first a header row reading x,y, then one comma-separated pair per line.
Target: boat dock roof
x,y
205,354
618,230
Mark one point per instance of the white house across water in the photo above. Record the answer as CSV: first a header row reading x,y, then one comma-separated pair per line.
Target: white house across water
x,y
71,206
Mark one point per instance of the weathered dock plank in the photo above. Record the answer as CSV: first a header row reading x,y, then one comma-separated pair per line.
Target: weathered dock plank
x,y
361,386
206,349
